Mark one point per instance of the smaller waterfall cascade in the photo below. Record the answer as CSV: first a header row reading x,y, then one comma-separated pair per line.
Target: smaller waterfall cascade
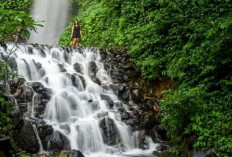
x,y
79,108
52,14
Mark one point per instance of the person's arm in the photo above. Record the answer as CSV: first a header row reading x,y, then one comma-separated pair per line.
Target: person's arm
x,y
72,31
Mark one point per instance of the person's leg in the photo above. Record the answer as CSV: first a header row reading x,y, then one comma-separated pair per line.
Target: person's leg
x,y
77,42
74,41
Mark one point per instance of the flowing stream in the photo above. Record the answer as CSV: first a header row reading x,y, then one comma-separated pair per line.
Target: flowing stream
x,y
76,101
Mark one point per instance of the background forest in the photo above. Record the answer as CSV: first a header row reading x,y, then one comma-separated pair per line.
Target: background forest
x,y
188,41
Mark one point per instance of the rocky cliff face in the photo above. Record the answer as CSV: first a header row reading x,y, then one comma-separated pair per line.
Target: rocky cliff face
x,y
128,85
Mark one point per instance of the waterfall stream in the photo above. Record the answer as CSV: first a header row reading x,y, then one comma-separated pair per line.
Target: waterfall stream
x,y
77,102
52,14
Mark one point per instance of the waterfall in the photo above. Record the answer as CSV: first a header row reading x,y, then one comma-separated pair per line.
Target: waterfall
x,y
77,102
38,138
52,14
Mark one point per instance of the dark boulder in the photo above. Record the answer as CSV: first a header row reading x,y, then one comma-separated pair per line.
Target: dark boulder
x,y
93,69
109,131
78,68
124,95
125,78
27,139
97,81
103,54
26,93
82,81
62,69
115,88
66,128
141,139
12,63
162,147
107,98
75,153
76,81
30,49
56,142
136,95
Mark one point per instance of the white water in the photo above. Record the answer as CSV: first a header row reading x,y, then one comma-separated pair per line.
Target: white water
x,y
38,139
69,104
54,14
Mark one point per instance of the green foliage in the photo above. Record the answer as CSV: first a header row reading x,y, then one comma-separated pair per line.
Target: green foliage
x,y
16,5
19,153
6,109
14,23
189,41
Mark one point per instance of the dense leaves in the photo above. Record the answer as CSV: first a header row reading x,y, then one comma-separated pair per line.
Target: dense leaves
x,y
190,42
17,5
15,24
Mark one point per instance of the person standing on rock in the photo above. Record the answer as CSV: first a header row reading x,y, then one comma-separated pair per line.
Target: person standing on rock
x,y
76,33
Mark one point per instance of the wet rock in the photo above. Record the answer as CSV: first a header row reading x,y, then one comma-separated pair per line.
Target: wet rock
x,y
15,86
103,54
162,147
56,142
119,106
76,81
115,88
109,130
136,95
141,137
124,95
44,130
82,80
97,81
76,153
78,68
105,86
125,78
23,107
66,128
12,63
27,139
207,153
30,49
26,94
35,85
125,116
102,114
161,131
66,141
62,69
42,53
93,69
38,65
107,98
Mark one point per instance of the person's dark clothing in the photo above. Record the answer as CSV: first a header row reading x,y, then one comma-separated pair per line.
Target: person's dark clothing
x,y
76,32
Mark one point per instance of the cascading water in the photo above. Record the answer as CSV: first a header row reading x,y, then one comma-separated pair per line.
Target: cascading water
x,y
77,102
52,14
